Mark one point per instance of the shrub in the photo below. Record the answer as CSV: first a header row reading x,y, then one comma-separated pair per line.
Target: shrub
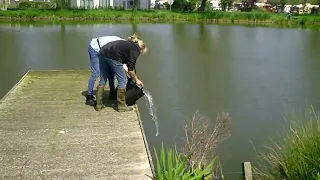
x,y
196,160
37,5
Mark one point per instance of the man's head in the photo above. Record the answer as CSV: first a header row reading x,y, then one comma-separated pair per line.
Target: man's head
x,y
141,43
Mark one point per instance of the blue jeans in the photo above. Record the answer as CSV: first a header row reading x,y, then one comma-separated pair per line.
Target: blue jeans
x,y
95,71
110,68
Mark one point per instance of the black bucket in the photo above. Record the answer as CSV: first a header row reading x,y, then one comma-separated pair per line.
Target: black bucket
x,y
133,93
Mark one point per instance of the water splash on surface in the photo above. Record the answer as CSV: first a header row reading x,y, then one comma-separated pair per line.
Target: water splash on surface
x,y
152,108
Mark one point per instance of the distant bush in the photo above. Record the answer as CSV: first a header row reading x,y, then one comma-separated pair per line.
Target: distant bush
x,y
37,5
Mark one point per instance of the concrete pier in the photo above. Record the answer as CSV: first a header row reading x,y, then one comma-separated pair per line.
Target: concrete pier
x,y
47,132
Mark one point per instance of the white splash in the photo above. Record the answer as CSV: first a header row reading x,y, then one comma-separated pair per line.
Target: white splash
x,y
152,108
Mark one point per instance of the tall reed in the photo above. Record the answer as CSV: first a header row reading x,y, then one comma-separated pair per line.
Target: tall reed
x,y
297,155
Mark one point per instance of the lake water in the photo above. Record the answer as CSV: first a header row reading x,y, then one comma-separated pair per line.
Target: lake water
x,y
254,73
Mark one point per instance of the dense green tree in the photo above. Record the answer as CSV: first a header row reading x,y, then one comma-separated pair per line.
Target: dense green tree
x,y
226,4
182,5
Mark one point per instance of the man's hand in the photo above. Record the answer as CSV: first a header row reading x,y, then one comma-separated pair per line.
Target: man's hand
x,y
138,82
135,78
125,67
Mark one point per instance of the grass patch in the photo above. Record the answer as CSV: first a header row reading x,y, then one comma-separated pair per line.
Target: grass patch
x,y
173,166
196,159
297,154
153,16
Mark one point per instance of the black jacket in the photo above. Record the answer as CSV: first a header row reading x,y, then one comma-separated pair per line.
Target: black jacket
x,y
125,52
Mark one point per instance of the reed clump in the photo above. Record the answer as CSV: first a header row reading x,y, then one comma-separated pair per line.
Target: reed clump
x,y
296,155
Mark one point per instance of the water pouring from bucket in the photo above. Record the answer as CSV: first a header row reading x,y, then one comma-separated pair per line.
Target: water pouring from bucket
x,y
152,109
134,92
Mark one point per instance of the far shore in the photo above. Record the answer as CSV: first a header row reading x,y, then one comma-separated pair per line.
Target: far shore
x,y
213,17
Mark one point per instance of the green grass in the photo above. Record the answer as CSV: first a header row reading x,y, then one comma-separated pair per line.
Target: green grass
x,y
172,166
297,155
152,16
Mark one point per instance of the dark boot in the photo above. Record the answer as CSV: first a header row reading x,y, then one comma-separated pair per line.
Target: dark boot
x,y
113,95
99,104
90,100
122,106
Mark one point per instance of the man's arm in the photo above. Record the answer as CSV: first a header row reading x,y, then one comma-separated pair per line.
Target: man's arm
x,y
131,63
135,78
125,67
133,75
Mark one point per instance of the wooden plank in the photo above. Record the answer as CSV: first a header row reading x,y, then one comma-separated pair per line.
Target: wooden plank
x,y
247,171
